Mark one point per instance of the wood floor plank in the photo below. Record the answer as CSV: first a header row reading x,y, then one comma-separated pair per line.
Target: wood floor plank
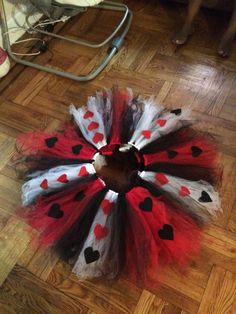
x,y
13,241
123,78
215,93
150,304
182,284
219,252
132,51
220,293
9,171
179,300
41,263
54,106
15,118
204,55
3,219
227,191
98,296
191,75
31,89
231,226
23,292
164,91
7,147
228,110
9,194
58,85
181,94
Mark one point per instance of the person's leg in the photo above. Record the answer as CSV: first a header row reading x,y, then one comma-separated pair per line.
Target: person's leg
x,y
193,8
228,37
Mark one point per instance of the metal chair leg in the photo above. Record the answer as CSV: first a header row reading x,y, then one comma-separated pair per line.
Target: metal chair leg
x,y
116,42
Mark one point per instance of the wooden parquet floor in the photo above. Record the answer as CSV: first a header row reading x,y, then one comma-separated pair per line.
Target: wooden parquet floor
x,y
34,280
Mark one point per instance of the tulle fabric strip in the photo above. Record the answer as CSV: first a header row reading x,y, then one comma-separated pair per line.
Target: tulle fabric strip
x,y
78,208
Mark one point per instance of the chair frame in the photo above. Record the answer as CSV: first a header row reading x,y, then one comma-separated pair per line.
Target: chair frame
x,y
116,41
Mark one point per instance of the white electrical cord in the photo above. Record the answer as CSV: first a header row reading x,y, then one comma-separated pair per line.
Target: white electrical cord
x,y
30,30
17,29
48,22
25,40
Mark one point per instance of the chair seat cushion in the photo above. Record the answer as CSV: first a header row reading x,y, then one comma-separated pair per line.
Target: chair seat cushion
x,y
79,3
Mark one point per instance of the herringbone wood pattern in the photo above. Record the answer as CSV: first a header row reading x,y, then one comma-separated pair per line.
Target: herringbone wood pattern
x,y
34,280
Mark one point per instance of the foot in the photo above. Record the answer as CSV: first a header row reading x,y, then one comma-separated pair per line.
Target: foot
x,y
225,46
181,37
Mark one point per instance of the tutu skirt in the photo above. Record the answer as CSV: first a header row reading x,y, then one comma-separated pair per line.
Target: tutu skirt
x,y
124,188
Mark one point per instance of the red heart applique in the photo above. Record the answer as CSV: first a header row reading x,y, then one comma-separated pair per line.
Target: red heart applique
x,y
161,122
44,184
63,179
88,114
184,191
146,134
161,179
83,172
100,231
98,137
93,125
106,206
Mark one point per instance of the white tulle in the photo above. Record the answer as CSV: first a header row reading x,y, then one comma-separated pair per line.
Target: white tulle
x,y
201,210
83,124
99,267
149,122
32,189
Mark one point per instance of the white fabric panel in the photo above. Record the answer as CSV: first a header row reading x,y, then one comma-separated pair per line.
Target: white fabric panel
x,y
155,123
98,247
84,120
188,193
43,182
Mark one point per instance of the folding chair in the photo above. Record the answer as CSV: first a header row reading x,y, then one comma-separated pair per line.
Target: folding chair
x,y
54,10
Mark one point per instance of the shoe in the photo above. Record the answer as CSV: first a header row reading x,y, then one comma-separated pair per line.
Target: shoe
x,y
4,63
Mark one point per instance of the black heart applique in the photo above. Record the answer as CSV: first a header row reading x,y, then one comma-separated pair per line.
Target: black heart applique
x,y
172,154
91,255
196,151
205,197
166,233
76,149
55,211
79,196
50,142
146,205
177,112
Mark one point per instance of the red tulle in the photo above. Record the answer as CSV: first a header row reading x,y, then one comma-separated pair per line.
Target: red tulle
x,y
146,232
141,252
71,202
195,152
107,150
146,251
66,145
120,100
